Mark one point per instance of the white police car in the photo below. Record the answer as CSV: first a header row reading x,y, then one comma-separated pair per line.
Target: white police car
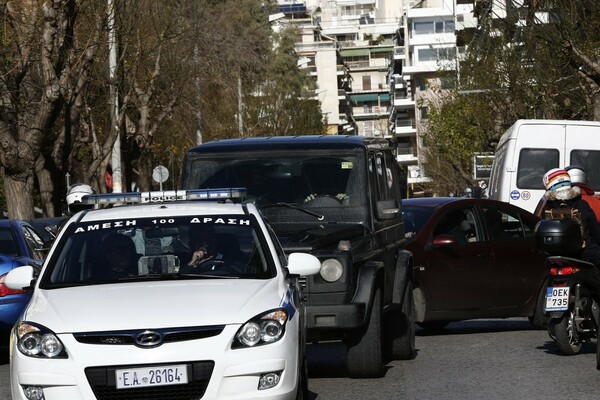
x,y
166,300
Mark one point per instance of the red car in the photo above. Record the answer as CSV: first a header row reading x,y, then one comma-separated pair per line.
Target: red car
x,y
473,258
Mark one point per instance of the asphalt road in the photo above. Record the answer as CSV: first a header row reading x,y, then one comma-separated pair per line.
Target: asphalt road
x,y
485,359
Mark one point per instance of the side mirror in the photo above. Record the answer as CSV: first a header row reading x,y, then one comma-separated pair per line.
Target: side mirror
x,y
387,209
20,278
303,264
444,241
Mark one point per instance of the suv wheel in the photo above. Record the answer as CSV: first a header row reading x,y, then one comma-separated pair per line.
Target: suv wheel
x,y
400,331
365,357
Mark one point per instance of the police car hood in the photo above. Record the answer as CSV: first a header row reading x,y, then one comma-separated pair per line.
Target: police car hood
x,y
150,305
310,237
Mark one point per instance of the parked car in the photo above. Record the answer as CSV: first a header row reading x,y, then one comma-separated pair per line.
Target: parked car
x,y
20,244
171,299
48,228
473,258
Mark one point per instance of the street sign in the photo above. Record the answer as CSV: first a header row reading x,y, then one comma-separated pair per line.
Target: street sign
x,y
482,166
160,174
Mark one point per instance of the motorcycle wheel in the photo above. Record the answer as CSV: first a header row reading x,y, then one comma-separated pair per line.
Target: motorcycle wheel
x,y
566,336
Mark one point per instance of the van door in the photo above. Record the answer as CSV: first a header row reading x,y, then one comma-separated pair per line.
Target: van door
x,y
583,149
538,149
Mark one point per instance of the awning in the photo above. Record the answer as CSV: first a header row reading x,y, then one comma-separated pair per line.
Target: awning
x,y
382,49
370,97
354,52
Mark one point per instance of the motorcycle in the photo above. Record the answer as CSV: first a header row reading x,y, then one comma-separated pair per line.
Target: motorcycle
x,y
573,290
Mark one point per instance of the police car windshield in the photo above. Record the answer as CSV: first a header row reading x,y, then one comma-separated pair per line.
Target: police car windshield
x,y
100,252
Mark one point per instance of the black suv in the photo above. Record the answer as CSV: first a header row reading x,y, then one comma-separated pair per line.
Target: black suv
x,y
339,198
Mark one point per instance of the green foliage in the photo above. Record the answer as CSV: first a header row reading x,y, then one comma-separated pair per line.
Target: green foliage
x,y
540,70
282,104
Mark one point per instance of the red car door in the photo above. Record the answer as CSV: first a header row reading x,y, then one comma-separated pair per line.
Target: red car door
x,y
459,276
519,268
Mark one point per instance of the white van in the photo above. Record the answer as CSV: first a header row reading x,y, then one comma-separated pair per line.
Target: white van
x,y
530,147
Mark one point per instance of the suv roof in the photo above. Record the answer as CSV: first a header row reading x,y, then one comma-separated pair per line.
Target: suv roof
x,y
292,142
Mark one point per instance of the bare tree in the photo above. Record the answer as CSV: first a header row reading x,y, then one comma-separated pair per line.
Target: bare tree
x,y
42,70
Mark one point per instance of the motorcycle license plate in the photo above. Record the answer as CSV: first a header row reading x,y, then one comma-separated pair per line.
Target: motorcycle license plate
x,y
557,298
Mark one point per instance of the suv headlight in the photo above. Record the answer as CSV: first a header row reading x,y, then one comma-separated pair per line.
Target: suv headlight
x,y
37,341
331,270
262,329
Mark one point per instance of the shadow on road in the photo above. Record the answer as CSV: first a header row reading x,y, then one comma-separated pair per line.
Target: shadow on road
x,y
3,357
550,347
479,326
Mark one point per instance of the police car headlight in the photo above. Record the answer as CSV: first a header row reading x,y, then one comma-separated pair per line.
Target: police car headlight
x,y
34,340
262,329
331,270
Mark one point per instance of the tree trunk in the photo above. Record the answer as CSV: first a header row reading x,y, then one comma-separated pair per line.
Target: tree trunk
x,y
21,194
144,173
597,105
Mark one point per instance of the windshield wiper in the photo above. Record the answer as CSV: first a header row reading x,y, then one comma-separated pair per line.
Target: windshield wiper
x,y
173,275
320,217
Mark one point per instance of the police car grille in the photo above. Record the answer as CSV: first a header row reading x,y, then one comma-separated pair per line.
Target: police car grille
x,y
102,382
169,335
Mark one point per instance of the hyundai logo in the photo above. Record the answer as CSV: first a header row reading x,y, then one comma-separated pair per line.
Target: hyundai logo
x,y
148,339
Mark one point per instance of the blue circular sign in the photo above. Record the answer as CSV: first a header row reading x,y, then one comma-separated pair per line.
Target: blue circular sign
x,y
515,195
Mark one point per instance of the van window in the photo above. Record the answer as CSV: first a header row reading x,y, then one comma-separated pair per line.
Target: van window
x,y
589,160
533,164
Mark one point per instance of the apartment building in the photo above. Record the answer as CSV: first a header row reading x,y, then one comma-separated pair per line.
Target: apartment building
x,y
376,61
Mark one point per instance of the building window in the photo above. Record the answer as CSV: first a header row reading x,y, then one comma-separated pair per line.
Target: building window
x,y
430,27
366,82
423,112
435,54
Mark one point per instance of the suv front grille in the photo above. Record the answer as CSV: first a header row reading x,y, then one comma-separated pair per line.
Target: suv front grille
x,y
303,284
102,382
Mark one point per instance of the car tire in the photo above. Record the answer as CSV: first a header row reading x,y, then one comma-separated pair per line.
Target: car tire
x,y
566,338
538,320
598,348
302,392
365,355
400,331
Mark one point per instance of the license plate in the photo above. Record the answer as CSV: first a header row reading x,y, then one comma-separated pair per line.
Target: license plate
x,y
153,376
557,298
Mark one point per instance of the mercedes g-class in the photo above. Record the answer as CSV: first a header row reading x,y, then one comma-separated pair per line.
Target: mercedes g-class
x,y
339,198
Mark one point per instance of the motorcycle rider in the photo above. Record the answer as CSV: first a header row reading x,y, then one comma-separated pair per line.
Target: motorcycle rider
x,y
579,178
74,196
560,195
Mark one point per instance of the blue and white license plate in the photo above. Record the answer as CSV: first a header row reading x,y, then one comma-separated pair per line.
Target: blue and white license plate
x,y
557,298
153,376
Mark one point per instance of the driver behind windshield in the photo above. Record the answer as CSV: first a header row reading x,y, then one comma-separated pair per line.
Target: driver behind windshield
x,y
121,256
203,245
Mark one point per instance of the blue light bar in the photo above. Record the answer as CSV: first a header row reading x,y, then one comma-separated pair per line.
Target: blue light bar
x,y
164,196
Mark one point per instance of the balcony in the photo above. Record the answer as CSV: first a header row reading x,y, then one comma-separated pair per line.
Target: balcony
x,y
370,111
407,155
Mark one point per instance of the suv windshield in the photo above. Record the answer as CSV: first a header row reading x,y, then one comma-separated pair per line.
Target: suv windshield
x,y
159,248
309,180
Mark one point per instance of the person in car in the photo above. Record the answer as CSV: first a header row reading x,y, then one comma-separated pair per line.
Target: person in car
x,y
564,199
121,255
202,240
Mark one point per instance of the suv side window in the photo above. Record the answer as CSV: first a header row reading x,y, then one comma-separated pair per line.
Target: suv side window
x,y
384,177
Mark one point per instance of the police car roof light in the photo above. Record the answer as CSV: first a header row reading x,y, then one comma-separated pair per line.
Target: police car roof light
x,y
164,196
